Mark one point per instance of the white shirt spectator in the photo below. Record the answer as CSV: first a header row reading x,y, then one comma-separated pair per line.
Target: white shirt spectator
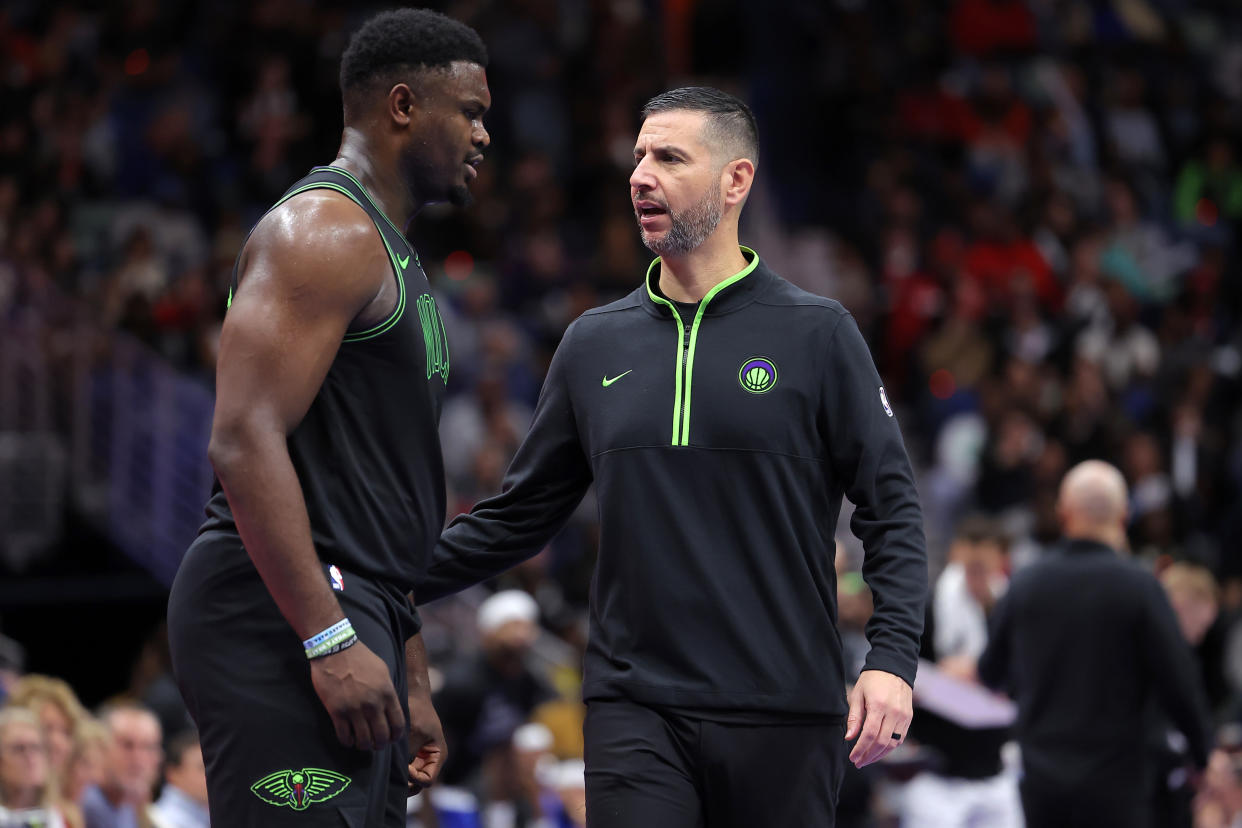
x,y
176,809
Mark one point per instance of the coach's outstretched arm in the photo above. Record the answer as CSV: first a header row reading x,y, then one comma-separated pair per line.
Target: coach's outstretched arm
x,y
869,460
311,267
544,484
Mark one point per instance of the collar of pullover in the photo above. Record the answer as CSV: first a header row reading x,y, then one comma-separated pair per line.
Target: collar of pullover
x,y
1080,546
733,293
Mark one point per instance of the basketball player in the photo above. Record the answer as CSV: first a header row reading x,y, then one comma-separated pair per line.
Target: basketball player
x,y
292,638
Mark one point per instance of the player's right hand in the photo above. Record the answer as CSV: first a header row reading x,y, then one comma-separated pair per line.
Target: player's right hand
x,y
357,691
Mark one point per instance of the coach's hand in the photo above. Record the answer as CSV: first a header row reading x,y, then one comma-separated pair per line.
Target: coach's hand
x,y
427,747
356,688
881,707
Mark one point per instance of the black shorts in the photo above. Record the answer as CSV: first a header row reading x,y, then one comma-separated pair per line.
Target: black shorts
x,y
272,754
648,768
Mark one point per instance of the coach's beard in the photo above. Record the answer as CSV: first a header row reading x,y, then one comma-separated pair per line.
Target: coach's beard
x,y
687,229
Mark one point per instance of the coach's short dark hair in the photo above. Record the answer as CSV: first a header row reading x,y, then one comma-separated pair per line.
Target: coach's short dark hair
x,y
403,41
730,122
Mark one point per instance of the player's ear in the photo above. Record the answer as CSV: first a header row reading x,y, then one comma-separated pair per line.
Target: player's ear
x,y
401,104
737,177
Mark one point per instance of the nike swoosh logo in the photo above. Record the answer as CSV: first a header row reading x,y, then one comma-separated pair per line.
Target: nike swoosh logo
x,y
607,382
403,262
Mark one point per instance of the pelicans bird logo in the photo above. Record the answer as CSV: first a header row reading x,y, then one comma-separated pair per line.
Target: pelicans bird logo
x,y
299,788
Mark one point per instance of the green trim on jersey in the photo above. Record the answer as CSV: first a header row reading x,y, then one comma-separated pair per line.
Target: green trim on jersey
x,y
365,192
395,316
681,410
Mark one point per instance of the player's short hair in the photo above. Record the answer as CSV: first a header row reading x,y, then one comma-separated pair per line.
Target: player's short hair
x,y
403,41
731,125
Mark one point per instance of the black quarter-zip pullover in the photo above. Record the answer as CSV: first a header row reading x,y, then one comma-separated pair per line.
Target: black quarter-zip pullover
x,y
720,447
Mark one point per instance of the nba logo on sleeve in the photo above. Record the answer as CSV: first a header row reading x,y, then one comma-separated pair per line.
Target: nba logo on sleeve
x,y
338,583
888,409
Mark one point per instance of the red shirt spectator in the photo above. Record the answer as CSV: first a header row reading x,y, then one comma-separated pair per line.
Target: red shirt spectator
x,y
982,27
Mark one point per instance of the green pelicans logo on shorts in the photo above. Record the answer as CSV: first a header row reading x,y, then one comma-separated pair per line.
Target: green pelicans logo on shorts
x,y
757,375
299,789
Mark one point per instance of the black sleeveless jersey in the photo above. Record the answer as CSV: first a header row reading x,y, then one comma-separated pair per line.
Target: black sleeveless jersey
x,y
367,453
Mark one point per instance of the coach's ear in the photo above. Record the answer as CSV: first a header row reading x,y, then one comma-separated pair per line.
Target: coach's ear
x,y
735,180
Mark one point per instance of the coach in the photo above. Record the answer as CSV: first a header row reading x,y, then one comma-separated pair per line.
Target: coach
x,y
722,413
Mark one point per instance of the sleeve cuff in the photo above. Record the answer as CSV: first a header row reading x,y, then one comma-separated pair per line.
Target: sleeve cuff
x,y
899,666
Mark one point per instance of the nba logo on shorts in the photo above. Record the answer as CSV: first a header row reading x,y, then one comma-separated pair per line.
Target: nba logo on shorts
x,y
338,583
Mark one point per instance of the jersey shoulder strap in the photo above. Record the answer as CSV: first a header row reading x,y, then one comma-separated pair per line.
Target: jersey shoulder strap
x,y
399,250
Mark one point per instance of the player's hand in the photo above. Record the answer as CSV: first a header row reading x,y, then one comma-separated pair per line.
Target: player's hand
x,y
356,688
427,747
881,707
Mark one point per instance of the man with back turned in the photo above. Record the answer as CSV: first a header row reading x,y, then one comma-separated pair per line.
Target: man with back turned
x,y
1084,640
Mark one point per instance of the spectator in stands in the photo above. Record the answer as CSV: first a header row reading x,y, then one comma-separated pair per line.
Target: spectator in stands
x,y
522,783
1209,188
1194,597
568,780
1083,641
12,660
27,787
131,769
967,783
183,802
1219,803
87,764
57,707
967,590
486,697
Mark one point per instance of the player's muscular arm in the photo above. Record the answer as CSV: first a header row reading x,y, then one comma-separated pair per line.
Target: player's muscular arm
x,y
310,268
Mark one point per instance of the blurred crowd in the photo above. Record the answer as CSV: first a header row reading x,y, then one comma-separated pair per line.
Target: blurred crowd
x,y
120,767
1032,207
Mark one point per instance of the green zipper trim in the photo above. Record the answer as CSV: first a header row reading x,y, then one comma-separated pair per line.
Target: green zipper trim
x,y
694,336
660,300
681,413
